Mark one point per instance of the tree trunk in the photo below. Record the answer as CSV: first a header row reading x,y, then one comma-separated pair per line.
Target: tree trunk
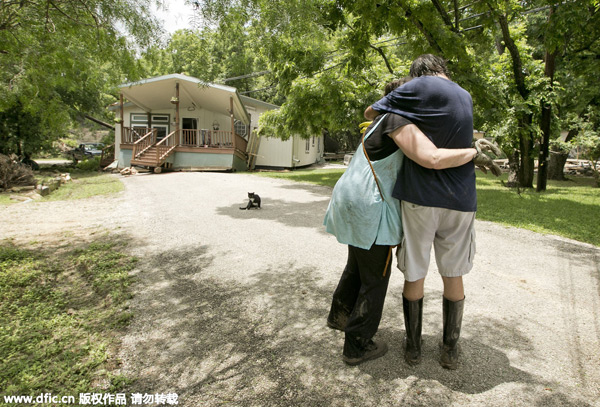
x,y
544,147
556,167
546,120
526,166
513,171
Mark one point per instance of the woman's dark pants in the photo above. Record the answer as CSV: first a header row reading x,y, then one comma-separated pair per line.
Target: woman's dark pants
x,y
359,297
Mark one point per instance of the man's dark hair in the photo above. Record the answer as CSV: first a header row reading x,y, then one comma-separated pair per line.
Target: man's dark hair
x,y
395,84
428,64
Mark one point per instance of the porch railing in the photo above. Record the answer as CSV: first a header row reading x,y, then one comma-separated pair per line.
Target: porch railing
x,y
130,135
211,139
206,138
108,155
144,143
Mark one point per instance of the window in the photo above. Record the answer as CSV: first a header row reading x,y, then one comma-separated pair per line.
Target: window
x,y
307,145
313,141
160,122
240,128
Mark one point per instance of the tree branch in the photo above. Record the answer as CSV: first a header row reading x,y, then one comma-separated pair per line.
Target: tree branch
x,y
515,56
387,63
444,15
432,42
456,15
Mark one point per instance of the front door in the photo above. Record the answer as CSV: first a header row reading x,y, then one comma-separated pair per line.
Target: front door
x,y
189,123
162,130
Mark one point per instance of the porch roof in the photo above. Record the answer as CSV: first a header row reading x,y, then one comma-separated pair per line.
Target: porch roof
x,y
155,94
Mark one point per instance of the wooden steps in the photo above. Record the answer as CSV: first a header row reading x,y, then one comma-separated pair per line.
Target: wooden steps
x,y
147,158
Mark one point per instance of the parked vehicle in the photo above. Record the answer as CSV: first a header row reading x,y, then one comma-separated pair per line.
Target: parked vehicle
x,y
94,148
78,154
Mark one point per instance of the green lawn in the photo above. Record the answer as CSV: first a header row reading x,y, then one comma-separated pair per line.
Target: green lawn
x,y
61,312
568,208
83,184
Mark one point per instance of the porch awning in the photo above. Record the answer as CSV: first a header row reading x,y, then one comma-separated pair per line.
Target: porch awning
x,y
155,94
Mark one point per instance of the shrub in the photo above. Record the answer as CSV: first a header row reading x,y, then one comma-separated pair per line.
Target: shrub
x,y
91,164
13,173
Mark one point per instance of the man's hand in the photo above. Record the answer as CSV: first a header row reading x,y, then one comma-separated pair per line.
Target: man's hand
x,y
483,161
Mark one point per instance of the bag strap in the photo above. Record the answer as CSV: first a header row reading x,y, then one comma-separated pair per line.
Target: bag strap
x,y
369,160
389,256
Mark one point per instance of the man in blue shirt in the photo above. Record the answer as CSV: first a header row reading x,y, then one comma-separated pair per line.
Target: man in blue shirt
x,y
438,206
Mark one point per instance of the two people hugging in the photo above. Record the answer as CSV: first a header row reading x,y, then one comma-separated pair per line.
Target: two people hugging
x,y
411,185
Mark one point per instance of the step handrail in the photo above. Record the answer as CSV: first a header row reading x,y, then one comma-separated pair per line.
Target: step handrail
x,y
164,146
143,144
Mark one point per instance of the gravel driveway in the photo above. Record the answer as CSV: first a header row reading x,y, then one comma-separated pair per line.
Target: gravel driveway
x,y
230,305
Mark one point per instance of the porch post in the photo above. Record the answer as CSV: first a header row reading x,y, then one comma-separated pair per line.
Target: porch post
x,y
232,121
122,115
177,114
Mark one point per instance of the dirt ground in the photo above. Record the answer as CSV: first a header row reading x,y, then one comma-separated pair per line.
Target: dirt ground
x,y
230,305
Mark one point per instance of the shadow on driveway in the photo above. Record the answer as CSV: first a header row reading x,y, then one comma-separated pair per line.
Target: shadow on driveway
x,y
265,343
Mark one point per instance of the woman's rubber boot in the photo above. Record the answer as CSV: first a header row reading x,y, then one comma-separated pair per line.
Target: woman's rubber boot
x,y
413,322
453,312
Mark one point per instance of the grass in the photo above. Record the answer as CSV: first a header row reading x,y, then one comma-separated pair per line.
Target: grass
x,y
60,314
83,184
567,208
86,185
326,177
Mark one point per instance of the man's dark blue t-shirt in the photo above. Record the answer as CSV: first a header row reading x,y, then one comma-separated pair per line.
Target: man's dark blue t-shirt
x,y
444,112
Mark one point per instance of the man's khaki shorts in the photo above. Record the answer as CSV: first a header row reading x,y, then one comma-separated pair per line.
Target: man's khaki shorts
x,y
452,234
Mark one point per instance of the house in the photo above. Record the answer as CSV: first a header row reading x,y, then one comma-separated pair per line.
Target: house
x,y
180,122
276,153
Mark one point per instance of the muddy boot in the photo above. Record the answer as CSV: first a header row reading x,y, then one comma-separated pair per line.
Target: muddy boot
x,y
453,312
413,322
358,350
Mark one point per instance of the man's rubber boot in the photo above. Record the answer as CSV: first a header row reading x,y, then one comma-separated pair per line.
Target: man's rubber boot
x,y
413,323
453,312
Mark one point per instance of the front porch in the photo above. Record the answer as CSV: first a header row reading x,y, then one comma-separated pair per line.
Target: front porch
x,y
179,122
193,149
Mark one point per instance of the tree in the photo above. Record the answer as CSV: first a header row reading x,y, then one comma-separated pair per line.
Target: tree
x,y
517,59
59,59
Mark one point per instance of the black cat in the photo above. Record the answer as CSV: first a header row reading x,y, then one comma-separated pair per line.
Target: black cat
x,y
253,201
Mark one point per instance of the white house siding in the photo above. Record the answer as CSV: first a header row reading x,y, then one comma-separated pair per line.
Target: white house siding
x,y
274,152
277,153
307,156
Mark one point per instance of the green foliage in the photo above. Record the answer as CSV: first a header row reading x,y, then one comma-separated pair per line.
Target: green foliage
x,y
588,139
339,108
560,146
91,164
496,50
59,59
58,316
